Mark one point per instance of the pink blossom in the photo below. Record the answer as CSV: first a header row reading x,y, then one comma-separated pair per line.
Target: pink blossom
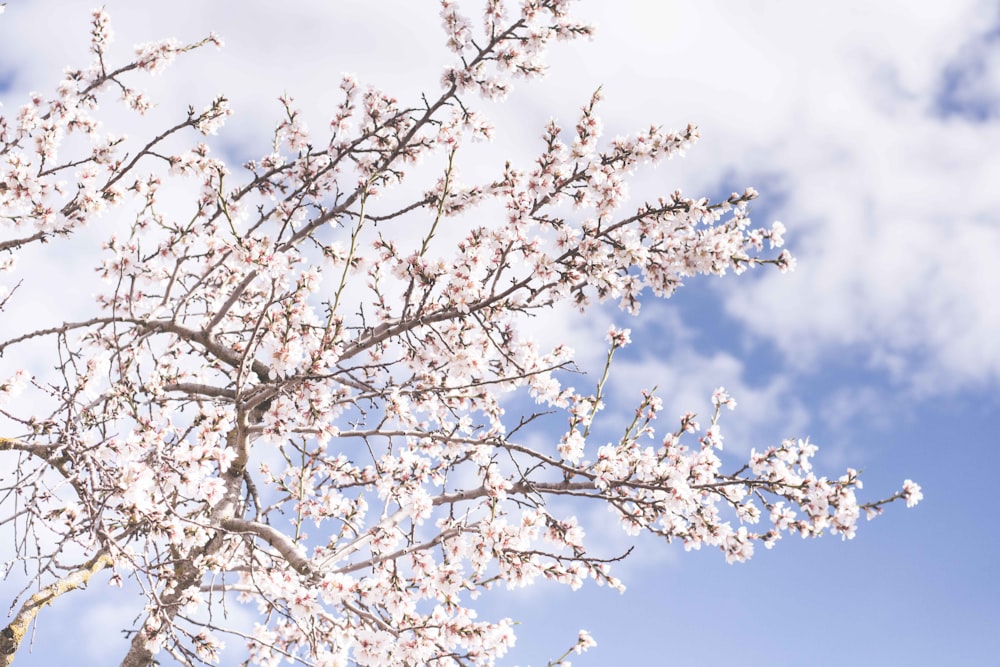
x,y
301,389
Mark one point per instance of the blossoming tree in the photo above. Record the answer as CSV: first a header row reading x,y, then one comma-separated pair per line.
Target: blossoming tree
x,y
282,400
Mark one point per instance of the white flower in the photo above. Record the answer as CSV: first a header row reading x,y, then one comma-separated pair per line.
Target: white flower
x,y
912,493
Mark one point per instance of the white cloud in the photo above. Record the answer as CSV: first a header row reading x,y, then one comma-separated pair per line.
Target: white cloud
x,y
891,205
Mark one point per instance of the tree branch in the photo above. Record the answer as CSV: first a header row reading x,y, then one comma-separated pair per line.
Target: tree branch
x,y
12,635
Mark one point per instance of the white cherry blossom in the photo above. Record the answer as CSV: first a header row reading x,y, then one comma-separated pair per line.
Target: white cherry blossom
x,y
280,401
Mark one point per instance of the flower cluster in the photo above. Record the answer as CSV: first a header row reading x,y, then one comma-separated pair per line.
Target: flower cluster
x,y
281,401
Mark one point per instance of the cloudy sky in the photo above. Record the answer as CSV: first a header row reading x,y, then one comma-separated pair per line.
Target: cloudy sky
x,y
872,130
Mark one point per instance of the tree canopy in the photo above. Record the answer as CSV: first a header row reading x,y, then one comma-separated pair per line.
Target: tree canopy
x,y
302,389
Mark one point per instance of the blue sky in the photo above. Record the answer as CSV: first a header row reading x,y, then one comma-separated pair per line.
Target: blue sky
x,y
872,132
